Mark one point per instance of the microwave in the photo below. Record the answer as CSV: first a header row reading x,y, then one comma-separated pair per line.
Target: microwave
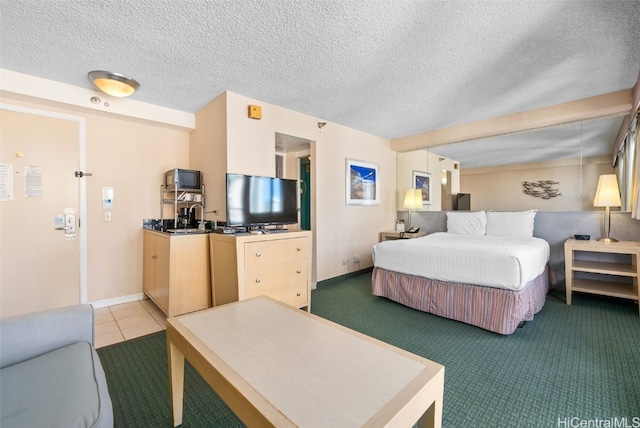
x,y
182,179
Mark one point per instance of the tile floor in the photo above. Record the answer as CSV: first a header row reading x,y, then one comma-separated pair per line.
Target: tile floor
x,y
127,321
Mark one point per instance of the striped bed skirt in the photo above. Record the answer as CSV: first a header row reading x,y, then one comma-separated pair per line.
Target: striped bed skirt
x,y
493,309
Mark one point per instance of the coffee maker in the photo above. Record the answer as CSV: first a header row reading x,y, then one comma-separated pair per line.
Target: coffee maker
x,y
184,218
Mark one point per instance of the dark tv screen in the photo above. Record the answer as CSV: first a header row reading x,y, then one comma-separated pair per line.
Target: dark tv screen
x,y
463,202
260,201
189,179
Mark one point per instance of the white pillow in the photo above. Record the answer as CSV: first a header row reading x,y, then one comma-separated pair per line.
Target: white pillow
x,y
467,223
517,223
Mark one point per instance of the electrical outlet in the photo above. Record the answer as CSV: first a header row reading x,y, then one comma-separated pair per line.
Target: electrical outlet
x,y
107,216
345,262
356,259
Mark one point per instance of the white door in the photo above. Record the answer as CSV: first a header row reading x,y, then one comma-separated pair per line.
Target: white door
x,y
39,203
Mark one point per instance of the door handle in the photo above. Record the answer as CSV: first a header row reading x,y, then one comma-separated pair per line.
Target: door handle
x,y
69,222
66,222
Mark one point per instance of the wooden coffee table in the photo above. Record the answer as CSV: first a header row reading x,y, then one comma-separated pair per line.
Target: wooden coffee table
x,y
275,365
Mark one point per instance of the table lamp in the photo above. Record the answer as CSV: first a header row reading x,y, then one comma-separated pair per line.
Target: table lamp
x,y
607,195
412,201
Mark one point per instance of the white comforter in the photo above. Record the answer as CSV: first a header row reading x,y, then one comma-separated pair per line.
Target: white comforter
x,y
508,262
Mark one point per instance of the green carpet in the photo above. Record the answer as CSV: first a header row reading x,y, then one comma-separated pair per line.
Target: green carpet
x,y
570,364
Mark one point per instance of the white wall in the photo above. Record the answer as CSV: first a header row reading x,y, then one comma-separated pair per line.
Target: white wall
x,y
129,155
208,153
340,231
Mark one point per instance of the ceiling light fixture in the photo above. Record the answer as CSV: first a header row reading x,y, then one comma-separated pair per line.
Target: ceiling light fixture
x,y
113,84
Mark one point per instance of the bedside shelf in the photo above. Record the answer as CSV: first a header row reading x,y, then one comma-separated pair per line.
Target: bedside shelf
x,y
620,269
613,289
602,287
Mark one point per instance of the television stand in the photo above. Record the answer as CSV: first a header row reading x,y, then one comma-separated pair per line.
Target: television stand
x,y
248,265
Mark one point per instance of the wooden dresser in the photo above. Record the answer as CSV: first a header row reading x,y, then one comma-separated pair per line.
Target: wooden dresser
x,y
277,265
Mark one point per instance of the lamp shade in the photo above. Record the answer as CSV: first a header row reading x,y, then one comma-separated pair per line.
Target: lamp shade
x,y
607,193
113,84
413,199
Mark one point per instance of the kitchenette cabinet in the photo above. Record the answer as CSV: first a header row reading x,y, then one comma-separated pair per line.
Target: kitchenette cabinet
x,y
277,265
176,274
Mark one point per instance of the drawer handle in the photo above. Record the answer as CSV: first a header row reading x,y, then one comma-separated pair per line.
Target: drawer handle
x,y
298,271
258,254
298,294
258,280
299,249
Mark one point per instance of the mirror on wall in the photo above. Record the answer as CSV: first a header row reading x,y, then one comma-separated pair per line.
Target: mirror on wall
x,y
573,154
430,167
569,141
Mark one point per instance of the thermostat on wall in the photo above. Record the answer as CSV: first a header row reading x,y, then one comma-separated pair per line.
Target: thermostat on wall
x,y
107,198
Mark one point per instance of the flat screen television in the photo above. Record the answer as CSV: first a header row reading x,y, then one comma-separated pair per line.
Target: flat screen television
x,y
261,201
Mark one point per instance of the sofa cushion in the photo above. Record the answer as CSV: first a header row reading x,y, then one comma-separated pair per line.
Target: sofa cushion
x,y
62,388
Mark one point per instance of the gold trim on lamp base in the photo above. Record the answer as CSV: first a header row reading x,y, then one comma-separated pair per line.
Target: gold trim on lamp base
x,y
607,240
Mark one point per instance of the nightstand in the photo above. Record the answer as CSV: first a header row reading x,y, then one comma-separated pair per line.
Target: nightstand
x,y
604,288
392,235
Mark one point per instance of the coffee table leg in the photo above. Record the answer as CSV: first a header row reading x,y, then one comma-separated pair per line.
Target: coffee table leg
x,y
432,418
176,380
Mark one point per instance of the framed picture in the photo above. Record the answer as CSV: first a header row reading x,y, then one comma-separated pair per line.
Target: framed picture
x,y
422,181
363,187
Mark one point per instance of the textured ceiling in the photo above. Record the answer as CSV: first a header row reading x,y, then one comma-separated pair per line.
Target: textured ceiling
x,y
390,68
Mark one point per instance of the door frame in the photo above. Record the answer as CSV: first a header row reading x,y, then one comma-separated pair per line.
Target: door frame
x,y
82,186
308,190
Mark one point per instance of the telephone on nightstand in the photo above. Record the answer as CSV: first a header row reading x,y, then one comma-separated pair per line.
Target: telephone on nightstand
x,y
413,230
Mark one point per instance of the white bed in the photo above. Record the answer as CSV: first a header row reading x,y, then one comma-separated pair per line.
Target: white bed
x,y
487,270
508,262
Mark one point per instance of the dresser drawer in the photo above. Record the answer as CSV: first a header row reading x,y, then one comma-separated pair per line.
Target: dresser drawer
x,y
292,294
286,282
265,253
276,276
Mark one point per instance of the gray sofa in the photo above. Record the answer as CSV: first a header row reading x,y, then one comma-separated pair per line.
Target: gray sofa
x,y
50,373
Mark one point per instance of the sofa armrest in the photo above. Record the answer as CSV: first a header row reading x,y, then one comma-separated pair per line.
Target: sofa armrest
x,y
27,336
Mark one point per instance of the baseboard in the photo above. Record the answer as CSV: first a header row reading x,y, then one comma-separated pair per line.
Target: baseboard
x,y
117,300
343,277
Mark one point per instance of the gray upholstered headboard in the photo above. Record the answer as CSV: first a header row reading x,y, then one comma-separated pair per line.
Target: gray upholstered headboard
x,y
554,227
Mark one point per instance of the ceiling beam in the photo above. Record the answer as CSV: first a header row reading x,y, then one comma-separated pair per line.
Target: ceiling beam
x,y
601,106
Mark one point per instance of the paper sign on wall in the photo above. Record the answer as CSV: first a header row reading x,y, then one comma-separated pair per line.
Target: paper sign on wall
x,y
32,182
6,182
